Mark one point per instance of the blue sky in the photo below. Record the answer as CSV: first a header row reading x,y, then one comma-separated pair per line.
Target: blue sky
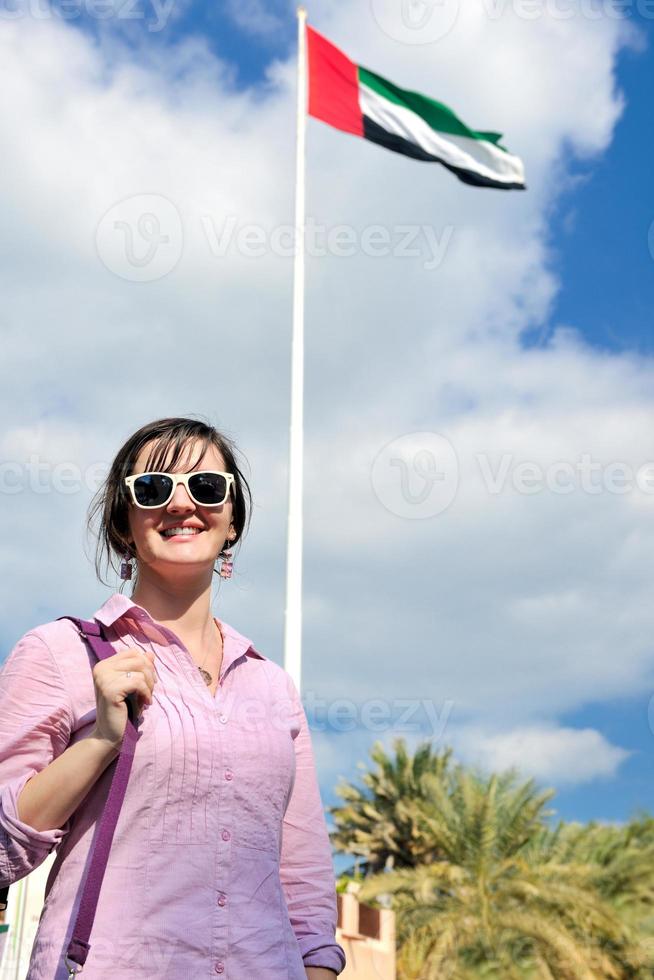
x,y
530,613
599,229
599,241
626,722
606,268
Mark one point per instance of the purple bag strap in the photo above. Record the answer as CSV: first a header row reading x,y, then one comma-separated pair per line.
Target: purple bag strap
x,y
79,946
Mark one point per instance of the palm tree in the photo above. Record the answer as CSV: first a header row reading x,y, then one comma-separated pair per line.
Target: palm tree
x,y
485,888
380,825
622,858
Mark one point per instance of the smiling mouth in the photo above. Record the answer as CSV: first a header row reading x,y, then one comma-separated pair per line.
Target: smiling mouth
x,y
181,532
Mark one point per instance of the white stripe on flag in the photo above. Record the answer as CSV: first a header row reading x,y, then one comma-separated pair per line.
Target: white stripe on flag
x,y
480,156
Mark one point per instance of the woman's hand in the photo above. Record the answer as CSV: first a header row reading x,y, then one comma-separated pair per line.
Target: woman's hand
x,y
112,687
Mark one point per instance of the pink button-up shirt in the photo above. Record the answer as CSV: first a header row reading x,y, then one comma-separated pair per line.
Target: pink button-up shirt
x,y
221,862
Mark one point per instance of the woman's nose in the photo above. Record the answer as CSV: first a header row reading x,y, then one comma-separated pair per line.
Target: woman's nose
x,y
180,500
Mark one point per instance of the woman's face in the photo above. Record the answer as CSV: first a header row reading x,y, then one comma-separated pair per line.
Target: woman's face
x,y
213,523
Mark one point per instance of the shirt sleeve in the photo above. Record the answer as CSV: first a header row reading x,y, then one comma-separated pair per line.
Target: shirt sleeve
x,y
306,868
35,727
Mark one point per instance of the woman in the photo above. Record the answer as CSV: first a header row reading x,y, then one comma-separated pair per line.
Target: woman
x,y
220,863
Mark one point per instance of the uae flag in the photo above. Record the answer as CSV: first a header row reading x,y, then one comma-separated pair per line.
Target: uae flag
x,y
357,101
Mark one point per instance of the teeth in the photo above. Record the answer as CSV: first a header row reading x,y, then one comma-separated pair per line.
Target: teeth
x,y
171,531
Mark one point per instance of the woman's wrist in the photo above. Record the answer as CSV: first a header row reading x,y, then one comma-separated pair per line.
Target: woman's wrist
x,y
105,747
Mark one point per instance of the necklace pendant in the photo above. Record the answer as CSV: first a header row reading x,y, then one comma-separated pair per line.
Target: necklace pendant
x,y
206,676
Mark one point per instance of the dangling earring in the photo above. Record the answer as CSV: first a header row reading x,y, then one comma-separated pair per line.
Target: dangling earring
x,y
126,566
227,565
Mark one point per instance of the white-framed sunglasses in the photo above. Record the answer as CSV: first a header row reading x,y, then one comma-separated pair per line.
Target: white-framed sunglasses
x,y
207,488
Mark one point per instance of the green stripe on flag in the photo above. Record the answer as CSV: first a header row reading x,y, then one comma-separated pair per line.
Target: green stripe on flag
x,y
435,114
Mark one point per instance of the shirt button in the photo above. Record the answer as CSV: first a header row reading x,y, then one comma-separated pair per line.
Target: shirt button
x,y
219,967
222,899
223,718
229,774
225,835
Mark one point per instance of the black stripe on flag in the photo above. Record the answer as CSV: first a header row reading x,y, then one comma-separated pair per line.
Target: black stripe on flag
x,y
377,134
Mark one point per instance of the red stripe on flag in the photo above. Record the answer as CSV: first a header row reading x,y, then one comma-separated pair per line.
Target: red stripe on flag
x,y
333,85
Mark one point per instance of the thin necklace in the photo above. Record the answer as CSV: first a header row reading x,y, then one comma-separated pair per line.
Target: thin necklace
x,y
205,673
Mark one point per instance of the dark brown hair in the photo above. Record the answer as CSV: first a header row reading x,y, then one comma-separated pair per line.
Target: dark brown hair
x,y
112,499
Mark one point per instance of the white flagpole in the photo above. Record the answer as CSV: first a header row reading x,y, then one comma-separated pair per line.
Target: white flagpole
x,y
293,620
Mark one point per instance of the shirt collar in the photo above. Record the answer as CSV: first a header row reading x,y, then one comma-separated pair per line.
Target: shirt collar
x,y
235,644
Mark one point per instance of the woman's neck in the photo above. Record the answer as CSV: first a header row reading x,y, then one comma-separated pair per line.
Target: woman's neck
x,y
185,612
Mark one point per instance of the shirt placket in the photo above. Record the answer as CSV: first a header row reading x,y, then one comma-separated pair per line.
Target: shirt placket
x,y
224,806
224,837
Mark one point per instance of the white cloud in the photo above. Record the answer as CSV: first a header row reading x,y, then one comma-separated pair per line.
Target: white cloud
x,y
559,756
509,604
254,17
552,755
